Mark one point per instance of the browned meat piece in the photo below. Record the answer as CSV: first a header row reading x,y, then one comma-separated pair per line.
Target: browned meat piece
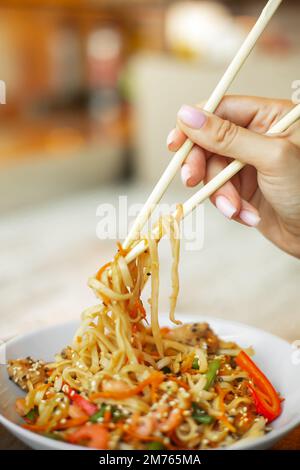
x,y
22,371
196,334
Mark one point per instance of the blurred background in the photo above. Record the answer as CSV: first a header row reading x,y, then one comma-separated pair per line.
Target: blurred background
x,y
92,89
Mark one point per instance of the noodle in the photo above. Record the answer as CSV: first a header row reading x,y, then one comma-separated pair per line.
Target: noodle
x,y
143,384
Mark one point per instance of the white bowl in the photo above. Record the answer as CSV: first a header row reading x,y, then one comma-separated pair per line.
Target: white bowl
x,y
272,354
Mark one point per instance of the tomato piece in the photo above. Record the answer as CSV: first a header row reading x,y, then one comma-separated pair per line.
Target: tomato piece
x,y
95,434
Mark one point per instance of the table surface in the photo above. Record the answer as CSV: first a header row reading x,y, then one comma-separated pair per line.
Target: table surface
x,y
237,275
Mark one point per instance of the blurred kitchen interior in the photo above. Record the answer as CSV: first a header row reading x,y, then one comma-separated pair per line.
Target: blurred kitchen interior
x,y
92,89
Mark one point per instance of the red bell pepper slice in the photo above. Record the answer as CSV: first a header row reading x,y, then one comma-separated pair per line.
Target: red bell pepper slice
x,y
88,407
266,399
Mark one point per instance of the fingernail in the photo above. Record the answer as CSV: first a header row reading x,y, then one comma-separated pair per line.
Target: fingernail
x,y
225,206
250,218
171,137
192,117
186,174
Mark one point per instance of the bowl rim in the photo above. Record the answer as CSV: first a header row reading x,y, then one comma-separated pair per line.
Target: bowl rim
x,y
28,435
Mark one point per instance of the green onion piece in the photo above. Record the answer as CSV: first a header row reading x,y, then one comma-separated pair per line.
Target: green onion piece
x,y
115,413
155,446
32,414
99,414
195,364
166,370
200,416
211,374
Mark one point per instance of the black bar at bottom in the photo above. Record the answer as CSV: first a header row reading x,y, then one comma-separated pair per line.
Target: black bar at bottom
x,y
136,459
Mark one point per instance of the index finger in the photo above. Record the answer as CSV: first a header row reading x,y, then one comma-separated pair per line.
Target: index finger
x,y
255,113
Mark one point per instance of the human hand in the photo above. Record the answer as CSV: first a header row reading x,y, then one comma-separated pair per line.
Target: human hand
x,y
266,192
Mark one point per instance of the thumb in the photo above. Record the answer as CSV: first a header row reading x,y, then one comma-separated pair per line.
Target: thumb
x,y
225,138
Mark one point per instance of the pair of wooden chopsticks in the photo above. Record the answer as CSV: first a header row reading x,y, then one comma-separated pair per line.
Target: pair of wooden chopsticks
x,y
183,152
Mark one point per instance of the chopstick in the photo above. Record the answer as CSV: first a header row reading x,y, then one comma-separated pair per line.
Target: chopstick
x,y
210,106
218,181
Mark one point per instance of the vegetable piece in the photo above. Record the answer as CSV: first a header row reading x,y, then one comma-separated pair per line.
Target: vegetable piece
x,y
121,250
76,412
113,410
154,379
137,309
71,423
155,446
132,434
35,427
31,415
223,418
98,415
21,406
195,364
200,416
88,407
166,370
117,415
173,421
211,373
96,435
101,271
266,399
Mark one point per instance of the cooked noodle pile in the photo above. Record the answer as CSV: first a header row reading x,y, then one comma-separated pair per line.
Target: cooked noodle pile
x,y
125,383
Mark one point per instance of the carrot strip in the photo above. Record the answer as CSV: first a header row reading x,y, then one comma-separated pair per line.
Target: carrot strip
x,y
227,423
101,271
165,330
222,393
107,416
35,427
72,423
133,435
154,378
121,249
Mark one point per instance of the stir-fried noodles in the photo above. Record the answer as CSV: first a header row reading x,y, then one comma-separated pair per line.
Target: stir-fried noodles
x,y
125,383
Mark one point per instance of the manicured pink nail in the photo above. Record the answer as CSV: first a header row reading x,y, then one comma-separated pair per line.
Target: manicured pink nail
x,y
171,137
250,218
186,174
192,117
225,206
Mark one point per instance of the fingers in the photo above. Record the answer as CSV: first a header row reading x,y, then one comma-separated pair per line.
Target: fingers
x,y
194,169
175,139
235,131
223,137
228,198
248,215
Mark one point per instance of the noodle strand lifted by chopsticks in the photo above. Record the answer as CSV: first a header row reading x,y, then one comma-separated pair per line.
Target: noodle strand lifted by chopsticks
x,y
133,384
